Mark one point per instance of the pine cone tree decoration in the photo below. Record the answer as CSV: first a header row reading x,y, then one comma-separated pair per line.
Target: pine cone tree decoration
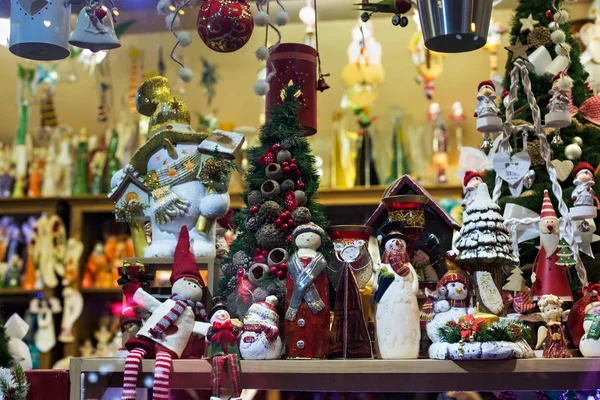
x,y
255,198
287,185
268,237
301,215
535,153
269,211
232,284
240,260
229,269
253,224
540,36
515,331
286,143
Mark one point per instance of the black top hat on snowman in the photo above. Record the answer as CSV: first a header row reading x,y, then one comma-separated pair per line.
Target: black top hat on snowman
x,y
391,230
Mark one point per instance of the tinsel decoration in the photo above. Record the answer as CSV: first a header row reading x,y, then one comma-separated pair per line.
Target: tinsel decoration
x,y
540,36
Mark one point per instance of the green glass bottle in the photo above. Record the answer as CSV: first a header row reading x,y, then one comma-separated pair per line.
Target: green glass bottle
x,y
113,164
80,185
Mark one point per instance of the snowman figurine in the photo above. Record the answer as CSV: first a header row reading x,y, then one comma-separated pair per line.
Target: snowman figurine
x,y
450,301
590,342
260,339
487,112
162,183
583,195
559,115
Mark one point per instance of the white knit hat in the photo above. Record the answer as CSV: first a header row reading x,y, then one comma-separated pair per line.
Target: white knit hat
x,y
266,309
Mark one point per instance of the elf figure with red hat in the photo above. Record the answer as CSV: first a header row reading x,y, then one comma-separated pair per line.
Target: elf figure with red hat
x,y
487,112
559,115
170,325
471,181
583,195
548,277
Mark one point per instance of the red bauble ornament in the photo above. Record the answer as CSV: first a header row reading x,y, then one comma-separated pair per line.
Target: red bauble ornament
x,y
549,14
290,222
269,157
273,270
280,274
261,161
100,13
300,184
225,25
577,314
284,227
278,222
293,161
286,170
254,209
276,146
293,167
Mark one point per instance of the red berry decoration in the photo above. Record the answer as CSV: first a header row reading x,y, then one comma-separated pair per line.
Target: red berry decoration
x,y
280,274
290,223
283,267
286,170
293,161
261,161
225,25
549,14
299,184
288,239
264,253
273,270
284,227
276,146
285,164
293,167
278,222
100,13
269,158
254,209
287,215
257,251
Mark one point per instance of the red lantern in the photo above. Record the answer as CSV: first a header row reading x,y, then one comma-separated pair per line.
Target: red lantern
x,y
296,63
225,25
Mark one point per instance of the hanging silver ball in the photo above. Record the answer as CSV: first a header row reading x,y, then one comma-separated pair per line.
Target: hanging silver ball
x,y
528,179
573,152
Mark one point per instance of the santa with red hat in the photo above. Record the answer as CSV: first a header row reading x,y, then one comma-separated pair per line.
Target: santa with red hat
x,y
170,325
487,112
547,276
583,194
471,181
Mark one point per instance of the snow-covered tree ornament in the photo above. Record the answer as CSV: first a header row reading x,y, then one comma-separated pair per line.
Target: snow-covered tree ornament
x,y
13,384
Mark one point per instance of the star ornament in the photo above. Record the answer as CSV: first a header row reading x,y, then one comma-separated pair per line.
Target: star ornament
x,y
518,50
528,23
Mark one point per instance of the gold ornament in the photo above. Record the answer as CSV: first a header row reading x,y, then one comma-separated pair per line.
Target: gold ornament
x,y
410,218
540,36
535,153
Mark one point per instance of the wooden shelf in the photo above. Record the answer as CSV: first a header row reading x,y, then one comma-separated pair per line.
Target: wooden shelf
x,y
114,290
16,292
363,375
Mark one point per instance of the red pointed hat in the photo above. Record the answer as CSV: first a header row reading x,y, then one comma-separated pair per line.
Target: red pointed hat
x,y
547,207
470,175
582,166
184,263
558,75
486,83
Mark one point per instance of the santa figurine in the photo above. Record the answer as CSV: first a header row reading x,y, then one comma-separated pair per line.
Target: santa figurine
x,y
223,349
487,112
559,115
583,195
471,181
167,330
548,277
260,339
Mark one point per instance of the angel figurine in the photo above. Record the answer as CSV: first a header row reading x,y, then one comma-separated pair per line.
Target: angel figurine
x,y
552,335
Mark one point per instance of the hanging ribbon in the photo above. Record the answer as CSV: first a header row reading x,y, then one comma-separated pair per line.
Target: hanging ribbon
x,y
46,75
589,109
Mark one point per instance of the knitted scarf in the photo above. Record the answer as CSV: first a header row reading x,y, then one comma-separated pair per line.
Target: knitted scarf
x,y
427,313
173,315
270,332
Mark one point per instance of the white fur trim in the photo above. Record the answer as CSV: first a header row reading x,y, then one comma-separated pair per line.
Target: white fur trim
x,y
565,83
186,74
261,18
163,7
184,39
561,16
262,53
563,49
558,37
261,87
172,18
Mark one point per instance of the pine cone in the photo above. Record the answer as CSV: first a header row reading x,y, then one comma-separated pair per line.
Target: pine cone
x,y
255,198
241,260
286,144
269,211
287,185
539,36
301,215
268,237
253,224
515,331
229,269
232,284
535,153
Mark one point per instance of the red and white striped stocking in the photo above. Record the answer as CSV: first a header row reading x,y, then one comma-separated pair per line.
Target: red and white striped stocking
x,y
162,370
132,367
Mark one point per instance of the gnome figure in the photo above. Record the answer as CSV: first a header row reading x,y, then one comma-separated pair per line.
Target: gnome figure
x,y
223,349
163,181
166,332
450,301
548,277
487,112
559,115
583,195
471,181
260,339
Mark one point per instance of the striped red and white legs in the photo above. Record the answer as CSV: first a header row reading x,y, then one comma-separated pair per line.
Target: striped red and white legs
x,y
132,368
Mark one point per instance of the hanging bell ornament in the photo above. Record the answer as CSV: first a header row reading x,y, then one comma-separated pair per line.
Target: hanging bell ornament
x,y
93,31
584,226
322,85
486,143
557,140
528,179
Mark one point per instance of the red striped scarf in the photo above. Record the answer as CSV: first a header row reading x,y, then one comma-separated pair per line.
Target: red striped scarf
x,y
173,315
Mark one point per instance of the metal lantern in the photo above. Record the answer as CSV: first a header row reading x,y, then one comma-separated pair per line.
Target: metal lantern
x,y
455,26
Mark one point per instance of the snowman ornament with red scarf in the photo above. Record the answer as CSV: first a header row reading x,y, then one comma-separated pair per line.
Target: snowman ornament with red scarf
x,y
260,339
170,325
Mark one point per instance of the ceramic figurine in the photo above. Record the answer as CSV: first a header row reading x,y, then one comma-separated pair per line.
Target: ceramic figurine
x,y
590,341
559,115
162,184
45,336
80,185
487,112
583,195
223,350
397,285
63,178
307,295
552,335
547,276
166,332
35,180
73,307
471,181
260,338
450,301
421,260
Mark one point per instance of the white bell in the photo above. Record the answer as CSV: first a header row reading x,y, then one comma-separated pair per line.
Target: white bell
x,y
39,29
92,32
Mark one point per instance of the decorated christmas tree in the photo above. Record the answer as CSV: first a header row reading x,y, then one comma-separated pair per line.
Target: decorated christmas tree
x,y
565,255
282,183
541,32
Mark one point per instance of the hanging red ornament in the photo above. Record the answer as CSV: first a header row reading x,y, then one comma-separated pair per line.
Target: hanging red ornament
x,y
254,209
100,13
225,25
549,14
299,184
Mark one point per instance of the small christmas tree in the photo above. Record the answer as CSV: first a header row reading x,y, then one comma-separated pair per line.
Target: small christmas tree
x,y
515,282
282,182
6,359
565,255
